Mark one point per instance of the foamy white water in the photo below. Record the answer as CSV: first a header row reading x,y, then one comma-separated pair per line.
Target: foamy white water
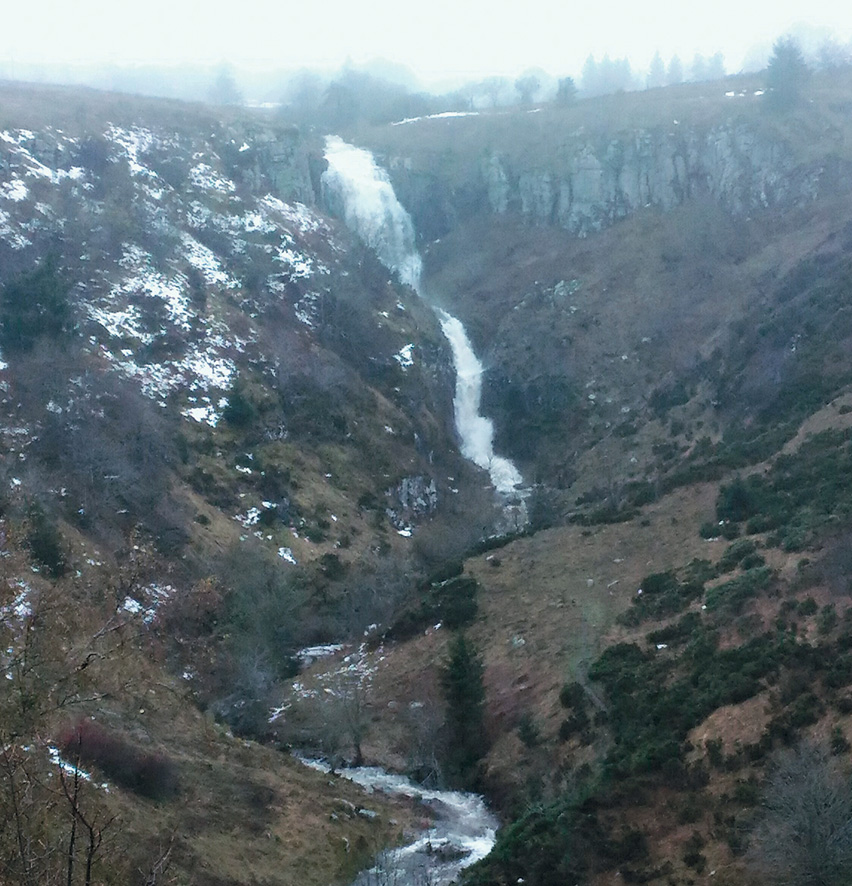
x,y
463,831
475,430
371,209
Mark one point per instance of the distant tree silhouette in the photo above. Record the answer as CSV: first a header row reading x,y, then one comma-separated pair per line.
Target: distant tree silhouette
x,y
495,88
698,68
786,74
589,77
716,66
674,75
833,55
527,87
224,90
566,91
657,72
607,76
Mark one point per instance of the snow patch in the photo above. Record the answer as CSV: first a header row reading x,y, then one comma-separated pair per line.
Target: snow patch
x,y
444,115
405,357
205,178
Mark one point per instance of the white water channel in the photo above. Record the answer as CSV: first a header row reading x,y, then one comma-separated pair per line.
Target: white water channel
x,y
462,832
371,209
463,829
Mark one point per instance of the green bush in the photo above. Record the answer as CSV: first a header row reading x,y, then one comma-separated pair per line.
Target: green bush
x,y
735,553
731,596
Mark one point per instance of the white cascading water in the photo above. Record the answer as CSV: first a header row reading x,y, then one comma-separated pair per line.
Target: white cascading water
x,y
370,208
463,831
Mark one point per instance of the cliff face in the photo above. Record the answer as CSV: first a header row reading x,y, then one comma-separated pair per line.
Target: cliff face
x,y
593,181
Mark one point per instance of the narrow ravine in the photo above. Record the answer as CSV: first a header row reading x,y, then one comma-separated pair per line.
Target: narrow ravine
x,y
463,829
362,192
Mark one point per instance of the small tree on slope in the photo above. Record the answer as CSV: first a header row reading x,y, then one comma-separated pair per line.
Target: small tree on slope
x,y
464,692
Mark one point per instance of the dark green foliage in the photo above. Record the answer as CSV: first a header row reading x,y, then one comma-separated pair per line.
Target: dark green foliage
x,y
664,399
451,602
240,411
709,529
692,856
662,595
573,696
45,542
730,597
736,502
652,707
736,554
678,633
34,305
808,606
464,692
332,566
827,619
528,731
714,752
562,842
803,493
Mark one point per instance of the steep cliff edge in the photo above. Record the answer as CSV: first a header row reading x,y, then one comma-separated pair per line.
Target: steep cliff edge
x,y
585,167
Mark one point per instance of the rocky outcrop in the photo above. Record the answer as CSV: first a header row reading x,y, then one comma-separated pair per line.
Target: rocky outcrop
x,y
596,183
592,181
272,159
411,500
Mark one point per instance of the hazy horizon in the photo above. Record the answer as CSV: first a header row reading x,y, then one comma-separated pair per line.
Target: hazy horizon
x,y
438,43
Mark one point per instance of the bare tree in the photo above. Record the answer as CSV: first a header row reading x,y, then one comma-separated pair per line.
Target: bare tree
x,y
804,837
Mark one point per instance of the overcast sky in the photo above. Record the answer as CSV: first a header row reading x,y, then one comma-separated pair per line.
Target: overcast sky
x,y
433,37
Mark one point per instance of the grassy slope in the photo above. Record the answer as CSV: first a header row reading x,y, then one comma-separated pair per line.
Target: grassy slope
x,y
549,603
244,813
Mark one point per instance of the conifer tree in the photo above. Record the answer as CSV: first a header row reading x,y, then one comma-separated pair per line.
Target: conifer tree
x,y
786,73
464,692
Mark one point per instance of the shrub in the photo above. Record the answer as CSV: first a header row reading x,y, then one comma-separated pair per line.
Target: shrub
x,y
45,542
736,502
240,411
150,775
735,553
33,305
528,730
731,597
827,619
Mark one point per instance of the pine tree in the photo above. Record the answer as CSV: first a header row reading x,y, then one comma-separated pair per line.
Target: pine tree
x,y
464,692
786,73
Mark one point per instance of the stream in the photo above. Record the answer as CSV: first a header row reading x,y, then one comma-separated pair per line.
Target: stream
x,y
463,829
462,832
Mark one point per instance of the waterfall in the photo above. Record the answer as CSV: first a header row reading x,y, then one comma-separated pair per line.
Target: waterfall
x,y
369,206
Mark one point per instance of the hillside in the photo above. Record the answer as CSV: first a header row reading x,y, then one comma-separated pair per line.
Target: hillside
x,y
636,373
236,504
216,406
